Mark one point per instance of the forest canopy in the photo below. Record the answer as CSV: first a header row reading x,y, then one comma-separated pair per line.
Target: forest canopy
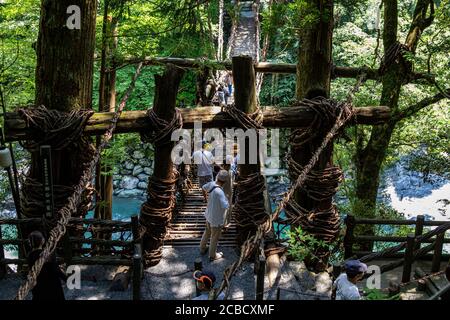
x,y
190,28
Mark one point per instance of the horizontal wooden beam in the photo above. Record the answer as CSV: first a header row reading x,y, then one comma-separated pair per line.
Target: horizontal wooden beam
x,y
268,67
210,117
264,67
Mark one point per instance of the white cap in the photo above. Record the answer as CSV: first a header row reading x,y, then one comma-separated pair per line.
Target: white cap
x,y
222,175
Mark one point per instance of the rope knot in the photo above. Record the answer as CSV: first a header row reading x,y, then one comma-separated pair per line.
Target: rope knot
x,y
246,120
161,129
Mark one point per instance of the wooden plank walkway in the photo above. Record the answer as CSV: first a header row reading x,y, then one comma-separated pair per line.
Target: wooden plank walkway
x,y
187,227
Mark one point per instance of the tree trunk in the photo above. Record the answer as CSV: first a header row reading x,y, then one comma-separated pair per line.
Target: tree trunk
x,y
220,37
164,106
63,82
313,80
369,159
107,102
246,100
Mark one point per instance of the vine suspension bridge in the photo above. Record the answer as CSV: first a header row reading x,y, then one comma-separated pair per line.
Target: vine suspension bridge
x,y
164,239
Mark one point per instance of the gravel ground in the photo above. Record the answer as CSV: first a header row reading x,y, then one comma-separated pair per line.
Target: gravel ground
x,y
172,279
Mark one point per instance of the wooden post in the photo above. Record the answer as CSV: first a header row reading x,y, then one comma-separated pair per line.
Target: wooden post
x,y
409,256
198,265
419,228
260,278
67,245
313,80
2,256
135,227
137,272
437,255
350,223
245,98
164,106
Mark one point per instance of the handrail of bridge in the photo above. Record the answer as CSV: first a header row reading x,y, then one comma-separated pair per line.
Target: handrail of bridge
x,y
439,294
408,250
350,238
74,252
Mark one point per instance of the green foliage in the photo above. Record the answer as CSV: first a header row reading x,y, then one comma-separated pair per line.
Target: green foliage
x,y
303,245
377,294
9,232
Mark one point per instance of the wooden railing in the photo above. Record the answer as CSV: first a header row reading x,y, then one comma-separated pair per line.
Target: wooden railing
x,y
410,251
72,250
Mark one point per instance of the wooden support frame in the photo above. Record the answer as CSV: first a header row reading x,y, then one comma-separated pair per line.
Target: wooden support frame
x,y
211,117
409,258
137,272
348,238
263,67
260,278
198,266
437,255
419,228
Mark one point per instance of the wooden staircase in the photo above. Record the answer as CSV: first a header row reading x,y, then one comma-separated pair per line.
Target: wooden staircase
x,y
187,227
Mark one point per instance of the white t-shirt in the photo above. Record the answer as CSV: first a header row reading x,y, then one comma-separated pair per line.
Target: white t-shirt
x,y
217,204
204,161
345,290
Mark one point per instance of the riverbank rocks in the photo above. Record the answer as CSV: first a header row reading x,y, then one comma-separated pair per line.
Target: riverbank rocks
x,y
137,154
143,177
319,284
129,182
137,170
128,165
142,185
133,193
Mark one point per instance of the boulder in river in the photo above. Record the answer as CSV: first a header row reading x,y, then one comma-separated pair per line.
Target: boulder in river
x,y
129,182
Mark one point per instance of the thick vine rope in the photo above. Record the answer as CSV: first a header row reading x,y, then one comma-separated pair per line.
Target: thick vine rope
x,y
156,214
344,115
247,121
162,129
73,201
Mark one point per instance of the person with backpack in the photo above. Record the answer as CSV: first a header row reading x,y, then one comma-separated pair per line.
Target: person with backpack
x,y
215,215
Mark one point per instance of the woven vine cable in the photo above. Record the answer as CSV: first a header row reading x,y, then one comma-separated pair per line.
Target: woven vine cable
x,y
162,129
345,114
156,214
72,202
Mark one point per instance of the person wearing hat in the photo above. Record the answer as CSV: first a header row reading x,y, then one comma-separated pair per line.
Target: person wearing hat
x,y
205,162
215,215
344,287
205,281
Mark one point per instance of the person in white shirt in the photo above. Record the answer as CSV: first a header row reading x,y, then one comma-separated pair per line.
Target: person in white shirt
x,y
344,287
205,283
215,215
205,162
